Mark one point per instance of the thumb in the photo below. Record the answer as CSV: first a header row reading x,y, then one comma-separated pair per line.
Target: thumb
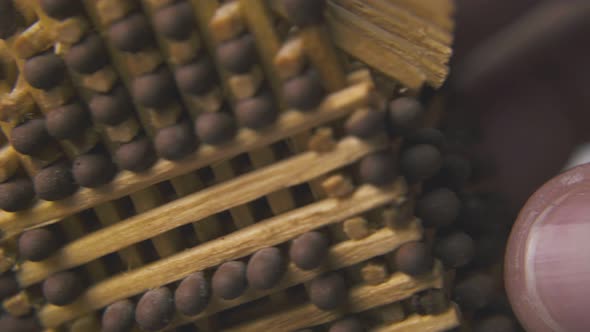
x,y
548,257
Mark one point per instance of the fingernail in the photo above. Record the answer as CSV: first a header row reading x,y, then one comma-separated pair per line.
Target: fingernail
x,y
548,257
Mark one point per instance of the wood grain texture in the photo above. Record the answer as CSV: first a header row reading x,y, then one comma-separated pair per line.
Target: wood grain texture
x,y
396,41
438,323
289,124
361,298
340,255
241,243
195,207
393,37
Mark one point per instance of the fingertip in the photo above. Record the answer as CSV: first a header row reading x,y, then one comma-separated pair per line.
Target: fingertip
x,y
547,266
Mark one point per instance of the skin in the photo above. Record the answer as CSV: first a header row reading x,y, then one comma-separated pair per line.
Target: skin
x,y
532,108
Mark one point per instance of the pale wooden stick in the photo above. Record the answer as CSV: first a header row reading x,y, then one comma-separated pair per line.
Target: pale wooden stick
x,y
225,21
9,162
433,63
361,298
443,322
72,227
322,54
109,214
168,243
340,255
33,40
197,206
7,259
207,228
259,20
232,246
319,49
335,106
290,59
281,200
438,12
96,271
401,19
240,213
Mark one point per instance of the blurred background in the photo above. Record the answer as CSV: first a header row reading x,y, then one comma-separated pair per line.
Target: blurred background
x,y
520,76
519,99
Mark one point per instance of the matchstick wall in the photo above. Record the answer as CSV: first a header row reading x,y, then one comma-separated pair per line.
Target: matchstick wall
x,y
205,165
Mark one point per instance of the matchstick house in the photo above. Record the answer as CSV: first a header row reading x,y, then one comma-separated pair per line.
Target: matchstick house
x,y
207,165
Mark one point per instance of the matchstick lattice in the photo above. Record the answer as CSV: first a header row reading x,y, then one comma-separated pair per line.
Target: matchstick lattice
x,y
218,165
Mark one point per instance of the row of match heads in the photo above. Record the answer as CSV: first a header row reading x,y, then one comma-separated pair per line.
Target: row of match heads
x,y
263,271
62,179
172,22
155,89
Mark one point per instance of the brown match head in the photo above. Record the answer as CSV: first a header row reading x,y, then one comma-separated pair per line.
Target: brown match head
x,y
93,170
111,108
155,309
304,92
31,137
475,292
8,286
238,55
8,19
305,12
266,268
154,90
378,169
87,56
257,112
431,136
328,292
68,121
44,71
347,325
118,317
308,251
365,123
215,128
62,288
60,9
405,114
136,156
420,162
229,280
10,323
175,22
16,194
55,182
37,244
175,142
454,173
196,78
193,294
430,302
439,207
455,250
131,34
413,258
